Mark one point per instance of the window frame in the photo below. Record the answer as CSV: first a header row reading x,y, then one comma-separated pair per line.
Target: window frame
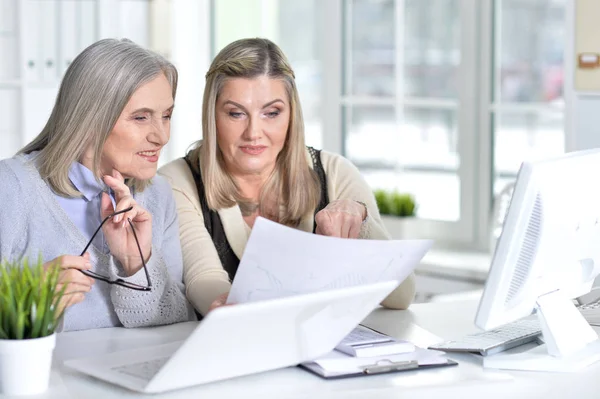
x,y
476,107
465,232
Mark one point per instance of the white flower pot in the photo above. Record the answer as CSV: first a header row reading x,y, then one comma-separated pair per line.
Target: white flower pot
x,y
402,228
25,365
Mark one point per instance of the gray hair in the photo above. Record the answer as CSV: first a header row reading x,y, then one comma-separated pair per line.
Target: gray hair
x,y
94,91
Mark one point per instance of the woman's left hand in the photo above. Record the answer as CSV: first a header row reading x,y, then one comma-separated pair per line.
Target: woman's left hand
x,y
341,218
219,302
117,231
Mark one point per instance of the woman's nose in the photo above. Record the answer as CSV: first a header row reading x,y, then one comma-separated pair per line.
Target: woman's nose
x,y
253,130
160,132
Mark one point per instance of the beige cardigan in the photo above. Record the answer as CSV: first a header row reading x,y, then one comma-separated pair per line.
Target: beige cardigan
x,y
204,276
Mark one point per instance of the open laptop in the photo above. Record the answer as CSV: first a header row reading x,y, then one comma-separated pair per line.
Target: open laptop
x,y
242,339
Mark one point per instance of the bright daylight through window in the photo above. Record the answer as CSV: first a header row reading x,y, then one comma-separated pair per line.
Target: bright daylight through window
x,y
441,99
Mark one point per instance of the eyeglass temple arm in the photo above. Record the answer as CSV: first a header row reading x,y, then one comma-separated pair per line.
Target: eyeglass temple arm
x,y
102,224
137,242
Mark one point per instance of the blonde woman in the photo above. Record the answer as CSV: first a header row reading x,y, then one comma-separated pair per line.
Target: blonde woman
x,y
83,194
252,161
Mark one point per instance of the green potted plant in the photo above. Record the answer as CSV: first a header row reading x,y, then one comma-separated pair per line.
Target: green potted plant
x,y
398,211
29,316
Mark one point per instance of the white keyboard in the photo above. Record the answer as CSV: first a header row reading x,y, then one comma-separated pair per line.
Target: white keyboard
x,y
497,340
591,312
144,370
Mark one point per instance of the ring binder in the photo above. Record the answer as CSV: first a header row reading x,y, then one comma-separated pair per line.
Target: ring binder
x,y
385,366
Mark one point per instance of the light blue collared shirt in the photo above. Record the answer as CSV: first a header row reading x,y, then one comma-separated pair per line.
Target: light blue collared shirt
x,y
84,212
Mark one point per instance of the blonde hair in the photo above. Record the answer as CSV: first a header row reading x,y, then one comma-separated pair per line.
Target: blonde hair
x,y
93,93
293,184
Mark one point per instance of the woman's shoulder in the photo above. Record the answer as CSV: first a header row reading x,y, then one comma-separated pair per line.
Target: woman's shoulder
x,y
335,163
14,172
178,175
160,187
174,168
18,187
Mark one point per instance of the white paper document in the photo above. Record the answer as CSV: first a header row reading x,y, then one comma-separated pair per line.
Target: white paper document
x,y
281,261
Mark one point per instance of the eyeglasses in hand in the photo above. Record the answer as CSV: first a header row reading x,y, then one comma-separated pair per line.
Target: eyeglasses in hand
x,y
119,281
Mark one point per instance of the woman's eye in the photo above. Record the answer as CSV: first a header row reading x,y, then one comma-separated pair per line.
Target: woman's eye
x,y
235,114
273,114
140,118
167,117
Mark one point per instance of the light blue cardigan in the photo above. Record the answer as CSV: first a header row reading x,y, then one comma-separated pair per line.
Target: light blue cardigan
x,y
32,223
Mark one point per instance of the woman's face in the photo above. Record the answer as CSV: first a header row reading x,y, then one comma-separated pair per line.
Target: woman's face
x,y
252,117
142,130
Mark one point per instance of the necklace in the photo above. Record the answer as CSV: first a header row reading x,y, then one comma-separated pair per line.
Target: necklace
x,y
248,208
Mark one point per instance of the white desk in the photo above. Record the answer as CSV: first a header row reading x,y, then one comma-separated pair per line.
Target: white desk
x,y
446,319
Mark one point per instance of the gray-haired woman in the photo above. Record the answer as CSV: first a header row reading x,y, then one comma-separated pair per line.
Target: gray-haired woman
x,y
93,165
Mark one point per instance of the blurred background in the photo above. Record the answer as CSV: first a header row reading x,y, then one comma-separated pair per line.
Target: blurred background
x,y
442,99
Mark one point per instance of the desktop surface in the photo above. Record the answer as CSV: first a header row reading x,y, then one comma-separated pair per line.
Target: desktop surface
x,y
423,324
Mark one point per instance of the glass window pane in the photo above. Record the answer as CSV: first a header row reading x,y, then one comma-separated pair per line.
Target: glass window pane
x,y
372,58
524,136
292,25
417,155
429,138
437,194
372,139
300,40
532,41
425,138
431,48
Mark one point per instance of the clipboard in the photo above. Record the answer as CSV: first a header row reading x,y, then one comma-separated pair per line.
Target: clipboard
x,y
382,366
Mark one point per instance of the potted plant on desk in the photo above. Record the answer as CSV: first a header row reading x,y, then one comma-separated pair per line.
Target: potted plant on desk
x,y
29,315
397,211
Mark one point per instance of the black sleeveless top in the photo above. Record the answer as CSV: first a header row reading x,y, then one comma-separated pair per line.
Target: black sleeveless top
x,y
213,223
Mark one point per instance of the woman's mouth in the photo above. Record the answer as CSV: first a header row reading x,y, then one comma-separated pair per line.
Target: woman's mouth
x,y
150,156
253,149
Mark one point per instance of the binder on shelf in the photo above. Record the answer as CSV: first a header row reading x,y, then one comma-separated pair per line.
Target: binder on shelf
x,y
88,25
31,51
68,35
48,40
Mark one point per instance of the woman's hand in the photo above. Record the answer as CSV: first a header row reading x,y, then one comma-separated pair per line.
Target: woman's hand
x,y
220,301
341,218
117,231
77,284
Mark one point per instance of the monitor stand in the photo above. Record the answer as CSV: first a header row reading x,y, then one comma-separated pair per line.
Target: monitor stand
x,y
570,343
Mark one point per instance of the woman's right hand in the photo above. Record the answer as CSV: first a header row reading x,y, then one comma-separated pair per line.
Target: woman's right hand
x,y
77,283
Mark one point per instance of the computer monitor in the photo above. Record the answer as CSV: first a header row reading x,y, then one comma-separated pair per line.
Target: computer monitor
x,y
548,253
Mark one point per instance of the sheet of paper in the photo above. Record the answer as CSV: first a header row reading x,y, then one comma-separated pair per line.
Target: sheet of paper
x,y
280,261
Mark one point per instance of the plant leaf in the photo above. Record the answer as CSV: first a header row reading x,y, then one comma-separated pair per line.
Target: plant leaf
x,y
28,298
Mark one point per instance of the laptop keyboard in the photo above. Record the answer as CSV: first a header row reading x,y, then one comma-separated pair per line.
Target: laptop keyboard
x,y
144,370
